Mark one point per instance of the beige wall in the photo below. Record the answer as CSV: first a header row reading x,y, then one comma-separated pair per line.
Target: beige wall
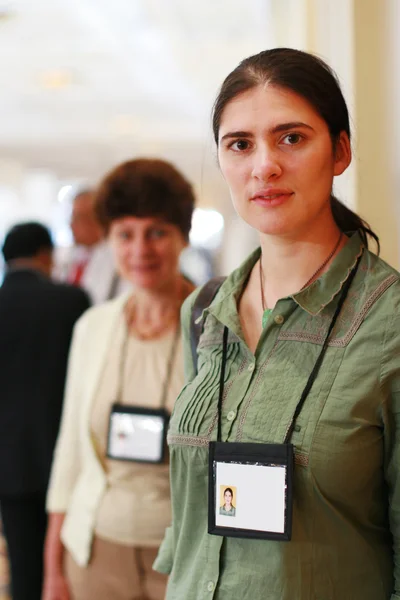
x,y
359,39
374,89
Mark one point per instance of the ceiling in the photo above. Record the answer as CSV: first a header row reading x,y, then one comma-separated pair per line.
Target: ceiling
x,y
87,83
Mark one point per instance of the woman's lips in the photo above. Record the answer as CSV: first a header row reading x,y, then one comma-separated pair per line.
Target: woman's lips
x,y
275,198
143,268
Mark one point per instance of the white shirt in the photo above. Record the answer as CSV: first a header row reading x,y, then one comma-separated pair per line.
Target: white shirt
x,y
135,509
100,278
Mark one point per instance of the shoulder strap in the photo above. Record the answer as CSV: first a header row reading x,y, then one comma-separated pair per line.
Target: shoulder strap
x,y
204,299
112,292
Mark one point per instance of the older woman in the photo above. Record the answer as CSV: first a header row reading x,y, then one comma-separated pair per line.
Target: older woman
x,y
298,362
109,498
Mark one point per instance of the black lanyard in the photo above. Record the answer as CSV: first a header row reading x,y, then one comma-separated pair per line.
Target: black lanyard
x,y
168,375
314,372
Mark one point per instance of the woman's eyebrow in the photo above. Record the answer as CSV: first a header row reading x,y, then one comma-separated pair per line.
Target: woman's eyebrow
x,y
236,134
290,125
277,129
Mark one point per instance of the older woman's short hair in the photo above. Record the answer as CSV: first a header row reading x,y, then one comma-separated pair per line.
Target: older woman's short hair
x,y
146,188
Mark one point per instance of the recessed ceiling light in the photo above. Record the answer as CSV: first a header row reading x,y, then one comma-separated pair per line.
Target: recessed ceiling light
x,y
7,10
125,124
56,79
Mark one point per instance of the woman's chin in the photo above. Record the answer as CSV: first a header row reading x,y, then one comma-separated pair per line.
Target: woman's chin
x,y
272,229
269,224
148,282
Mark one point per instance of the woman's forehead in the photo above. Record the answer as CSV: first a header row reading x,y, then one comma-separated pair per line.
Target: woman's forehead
x,y
267,106
140,222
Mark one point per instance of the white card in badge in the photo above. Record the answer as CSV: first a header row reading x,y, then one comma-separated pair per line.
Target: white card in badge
x,y
137,434
250,490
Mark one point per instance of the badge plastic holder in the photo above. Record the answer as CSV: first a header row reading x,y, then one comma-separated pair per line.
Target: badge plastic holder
x,y
137,434
257,482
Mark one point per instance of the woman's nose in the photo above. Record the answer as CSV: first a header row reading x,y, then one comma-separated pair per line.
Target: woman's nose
x,y
266,164
139,246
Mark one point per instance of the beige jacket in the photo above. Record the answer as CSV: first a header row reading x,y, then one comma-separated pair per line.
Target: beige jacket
x,y
78,481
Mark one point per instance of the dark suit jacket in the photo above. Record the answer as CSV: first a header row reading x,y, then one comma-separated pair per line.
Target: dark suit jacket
x,y
37,317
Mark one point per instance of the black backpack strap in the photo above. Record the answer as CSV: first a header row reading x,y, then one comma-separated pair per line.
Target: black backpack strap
x,y
112,292
204,299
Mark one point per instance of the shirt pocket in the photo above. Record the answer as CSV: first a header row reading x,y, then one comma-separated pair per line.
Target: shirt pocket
x,y
281,384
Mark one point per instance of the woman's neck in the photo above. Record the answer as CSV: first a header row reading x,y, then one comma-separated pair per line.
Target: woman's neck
x,y
289,264
151,313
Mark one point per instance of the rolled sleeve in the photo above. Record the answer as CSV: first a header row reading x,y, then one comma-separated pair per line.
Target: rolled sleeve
x,y
165,557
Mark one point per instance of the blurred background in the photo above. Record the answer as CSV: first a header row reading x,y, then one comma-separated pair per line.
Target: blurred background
x,y
86,84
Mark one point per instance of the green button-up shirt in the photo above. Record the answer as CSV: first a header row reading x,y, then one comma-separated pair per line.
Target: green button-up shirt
x,y
346,515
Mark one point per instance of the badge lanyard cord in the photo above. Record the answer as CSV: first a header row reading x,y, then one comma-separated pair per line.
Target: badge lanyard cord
x,y
222,380
168,375
313,374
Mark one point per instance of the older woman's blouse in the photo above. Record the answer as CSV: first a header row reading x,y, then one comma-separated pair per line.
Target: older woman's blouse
x,y
136,506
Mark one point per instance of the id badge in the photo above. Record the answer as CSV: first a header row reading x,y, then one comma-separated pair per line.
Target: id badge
x,y
251,490
137,434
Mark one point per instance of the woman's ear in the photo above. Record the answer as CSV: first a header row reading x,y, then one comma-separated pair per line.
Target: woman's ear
x,y
342,154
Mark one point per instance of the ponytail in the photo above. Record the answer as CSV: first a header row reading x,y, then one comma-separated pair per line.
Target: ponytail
x,y
347,221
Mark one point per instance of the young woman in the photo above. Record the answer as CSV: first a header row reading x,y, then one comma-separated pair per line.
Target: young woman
x,y
312,292
109,509
227,509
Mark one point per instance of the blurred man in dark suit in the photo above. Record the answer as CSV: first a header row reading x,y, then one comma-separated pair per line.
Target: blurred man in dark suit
x,y
37,317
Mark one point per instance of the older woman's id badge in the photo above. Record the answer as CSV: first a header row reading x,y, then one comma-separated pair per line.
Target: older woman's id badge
x,y
137,434
251,490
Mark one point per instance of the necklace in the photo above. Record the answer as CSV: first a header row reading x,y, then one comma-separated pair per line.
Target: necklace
x,y
267,311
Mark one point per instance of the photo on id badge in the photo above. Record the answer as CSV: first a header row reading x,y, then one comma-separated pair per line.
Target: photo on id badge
x,y
228,500
250,496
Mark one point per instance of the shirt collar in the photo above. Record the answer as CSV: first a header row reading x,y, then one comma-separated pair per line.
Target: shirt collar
x,y
24,269
312,299
322,291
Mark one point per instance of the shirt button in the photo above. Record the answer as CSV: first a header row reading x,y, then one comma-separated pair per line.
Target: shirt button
x,y
279,319
251,367
297,428
210,586
231,415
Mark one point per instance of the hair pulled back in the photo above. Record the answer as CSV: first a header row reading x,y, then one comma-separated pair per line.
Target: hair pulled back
x,y
309,77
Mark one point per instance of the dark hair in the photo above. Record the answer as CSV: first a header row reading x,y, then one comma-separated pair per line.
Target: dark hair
x,y
26,240
228,490
146,188
309,77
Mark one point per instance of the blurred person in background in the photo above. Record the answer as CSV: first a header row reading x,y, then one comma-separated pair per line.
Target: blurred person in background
x,y
36,322
108,512
89,263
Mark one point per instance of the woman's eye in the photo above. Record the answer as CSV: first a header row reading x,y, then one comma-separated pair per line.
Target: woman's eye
x,y
240,145
292,139
124,235
156,234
